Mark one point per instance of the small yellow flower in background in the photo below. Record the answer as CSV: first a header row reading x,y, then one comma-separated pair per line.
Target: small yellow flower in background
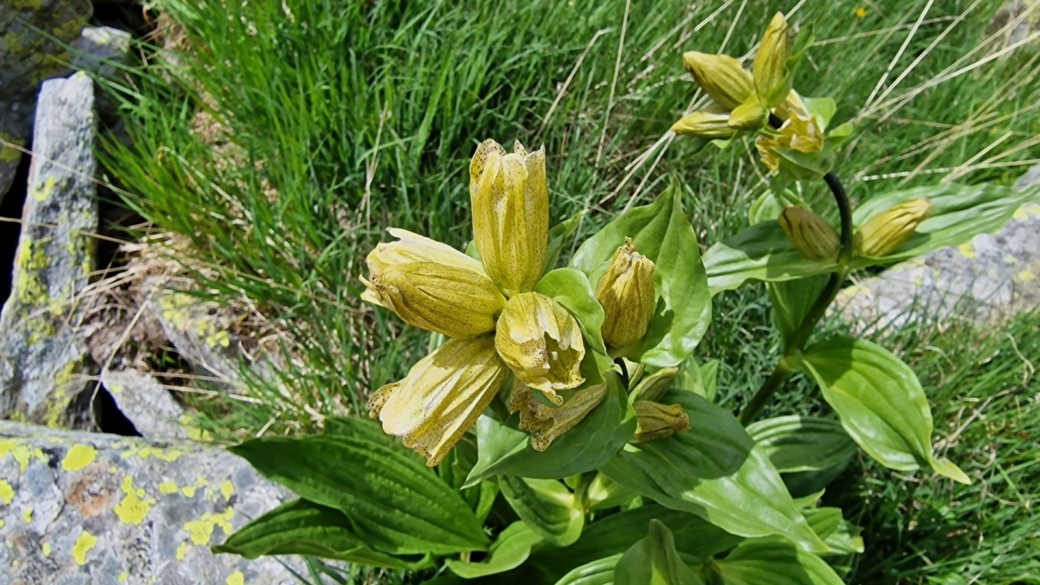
x,y
541,342
799,132
546,423
721,77
658,421
496,324
432,286
626,292
887,231
811,234
712,123
510,202
770,68
442,396
861,12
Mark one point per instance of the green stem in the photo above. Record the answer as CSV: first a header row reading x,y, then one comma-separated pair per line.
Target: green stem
x,y
784,368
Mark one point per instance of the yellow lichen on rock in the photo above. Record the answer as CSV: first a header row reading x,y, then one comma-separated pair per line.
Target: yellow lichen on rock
x,y
134,506
78,457
201,531
236,578
84,543
6,492
21,452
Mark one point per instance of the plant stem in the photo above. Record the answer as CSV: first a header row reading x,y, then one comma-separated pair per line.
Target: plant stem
x,y
784,368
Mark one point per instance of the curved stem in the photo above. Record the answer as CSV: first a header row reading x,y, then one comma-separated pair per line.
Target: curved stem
x,y
830,291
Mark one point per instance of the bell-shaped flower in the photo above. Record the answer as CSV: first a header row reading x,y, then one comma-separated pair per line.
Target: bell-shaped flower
x,y
541,342
626,293
656,421
800,132
770,73
546,423
721,77
432,286
887,231
708,123
811,234
442,396
510,201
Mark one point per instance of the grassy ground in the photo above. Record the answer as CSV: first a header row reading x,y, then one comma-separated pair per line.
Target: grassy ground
x,y
328,121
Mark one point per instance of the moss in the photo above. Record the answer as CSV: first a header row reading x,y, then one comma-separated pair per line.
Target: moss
x,y
32,257
8,152
26,4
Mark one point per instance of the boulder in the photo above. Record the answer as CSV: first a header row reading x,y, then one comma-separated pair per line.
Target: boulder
x,y
983,281
43,361
81,508
146,403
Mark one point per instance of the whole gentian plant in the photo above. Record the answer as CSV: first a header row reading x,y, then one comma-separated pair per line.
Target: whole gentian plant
x,y
562,431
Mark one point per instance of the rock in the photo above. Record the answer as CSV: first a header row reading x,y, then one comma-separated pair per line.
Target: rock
x,y
144,401
100,49
80,508
43,362
983,281
33,36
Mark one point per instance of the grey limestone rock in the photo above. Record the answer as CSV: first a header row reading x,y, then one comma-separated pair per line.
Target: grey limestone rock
x,y
982,281
99,49
43,361
89,508
144,401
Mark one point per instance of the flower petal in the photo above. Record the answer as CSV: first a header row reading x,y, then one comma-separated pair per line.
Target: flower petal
x,y
541,342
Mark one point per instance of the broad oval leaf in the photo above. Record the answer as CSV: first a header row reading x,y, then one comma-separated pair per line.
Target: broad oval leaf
x,y
395,503
774,562
570,287
302,527
661,232
802,443
654,561
598,572
559,236
715,472
959,213
760,252
509,551
880,402
503,449
792,300
547,506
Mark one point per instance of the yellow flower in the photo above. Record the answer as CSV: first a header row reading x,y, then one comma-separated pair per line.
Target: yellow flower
x,y
432,286
546,423
442,396
709,123
748,115
657,421
811,234
510,201
435,287
800,132
887,231
541,342
861,12
770,68
654,386
626,292
721,77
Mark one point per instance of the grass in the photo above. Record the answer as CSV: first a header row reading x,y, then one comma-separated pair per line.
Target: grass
x,y
326,122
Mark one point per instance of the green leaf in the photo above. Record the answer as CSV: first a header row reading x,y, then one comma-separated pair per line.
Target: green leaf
x,y
509,551
823,108
503,449
559,235
395,503
715,472
613,535
654,561
792,300
880,402
604,493
570,287
802,443
766,208
598,572
774,562
824,521
760,252
710,377
302,527
547,506
959,212
661,232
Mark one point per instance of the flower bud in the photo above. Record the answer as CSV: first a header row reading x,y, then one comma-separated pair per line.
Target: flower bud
x,y
770,68
442,396
626,292
721,77
811,234
887,231
710,123
541,342
657,421
748,115
799,132
654,386
546,423
433,287
510,200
